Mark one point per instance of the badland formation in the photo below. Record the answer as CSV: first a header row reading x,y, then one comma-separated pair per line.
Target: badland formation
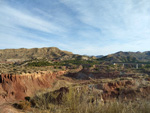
x,y
52,80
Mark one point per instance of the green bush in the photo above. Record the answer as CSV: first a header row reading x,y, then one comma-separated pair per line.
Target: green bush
x,y
39,63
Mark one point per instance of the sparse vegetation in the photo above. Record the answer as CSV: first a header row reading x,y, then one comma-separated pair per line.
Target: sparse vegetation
x,y
80,102
40,63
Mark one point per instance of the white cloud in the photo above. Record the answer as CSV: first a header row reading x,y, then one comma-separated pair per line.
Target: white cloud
x,y
16,18
16,29
81,26
126,22
112,15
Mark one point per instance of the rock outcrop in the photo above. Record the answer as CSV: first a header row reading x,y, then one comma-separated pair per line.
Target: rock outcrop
x,y
86,75
125,89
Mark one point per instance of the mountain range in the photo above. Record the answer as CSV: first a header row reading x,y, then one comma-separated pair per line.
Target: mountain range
x,y
53,53
128,57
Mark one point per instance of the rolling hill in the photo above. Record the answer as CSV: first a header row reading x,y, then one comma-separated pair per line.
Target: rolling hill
x,y
50,53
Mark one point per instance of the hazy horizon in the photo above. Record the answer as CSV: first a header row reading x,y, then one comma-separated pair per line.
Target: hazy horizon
x,y
83,27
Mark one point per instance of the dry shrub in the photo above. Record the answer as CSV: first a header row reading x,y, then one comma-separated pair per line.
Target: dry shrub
x,y
24,105
76,102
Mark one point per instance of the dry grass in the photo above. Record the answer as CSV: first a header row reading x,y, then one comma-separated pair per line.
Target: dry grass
x,y
80,102
112,107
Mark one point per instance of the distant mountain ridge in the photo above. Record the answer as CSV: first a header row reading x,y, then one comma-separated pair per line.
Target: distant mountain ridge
x,y
128,57
99,56
22,54
53,53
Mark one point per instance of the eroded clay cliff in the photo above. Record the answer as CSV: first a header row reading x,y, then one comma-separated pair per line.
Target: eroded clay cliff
x,y
17,87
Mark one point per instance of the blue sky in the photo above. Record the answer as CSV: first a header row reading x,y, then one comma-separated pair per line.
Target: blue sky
x,y
91,27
